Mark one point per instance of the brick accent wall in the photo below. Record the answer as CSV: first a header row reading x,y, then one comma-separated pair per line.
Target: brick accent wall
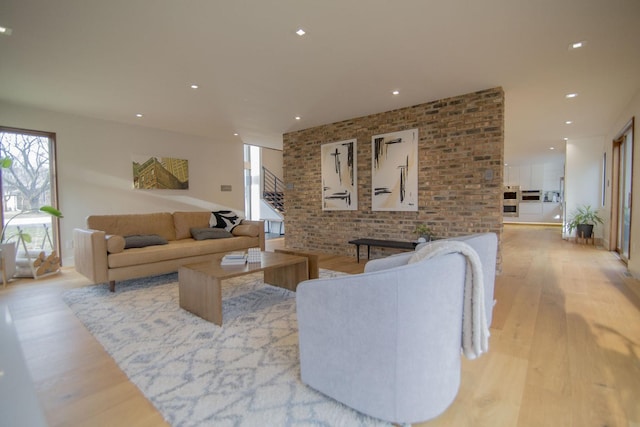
x,y
460,182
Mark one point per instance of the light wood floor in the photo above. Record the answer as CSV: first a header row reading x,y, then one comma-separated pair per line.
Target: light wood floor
x,y
564,351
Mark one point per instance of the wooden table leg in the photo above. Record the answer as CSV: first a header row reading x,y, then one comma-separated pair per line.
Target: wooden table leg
x,y
200,294
288,276
312,260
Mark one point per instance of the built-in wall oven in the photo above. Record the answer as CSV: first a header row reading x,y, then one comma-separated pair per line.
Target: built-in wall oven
x,y
510,200
531,196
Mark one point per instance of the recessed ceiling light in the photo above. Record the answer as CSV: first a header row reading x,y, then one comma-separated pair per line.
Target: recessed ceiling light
x,y
138,115
396,92
565,138
235,134
568,122
571,95
577,45
298,117
301,32
552,148
6,31
194,86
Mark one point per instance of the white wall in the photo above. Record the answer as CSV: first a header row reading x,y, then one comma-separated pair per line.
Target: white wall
x,y
583,173
272,160
631,110
95,167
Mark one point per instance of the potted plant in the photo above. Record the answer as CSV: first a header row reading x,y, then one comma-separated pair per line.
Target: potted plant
x,y
424,233
583,219
7,247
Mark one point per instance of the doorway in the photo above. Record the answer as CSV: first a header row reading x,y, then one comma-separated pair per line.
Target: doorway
x,y
27,185
621,192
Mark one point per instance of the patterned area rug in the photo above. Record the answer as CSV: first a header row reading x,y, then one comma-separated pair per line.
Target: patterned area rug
x,y
245,373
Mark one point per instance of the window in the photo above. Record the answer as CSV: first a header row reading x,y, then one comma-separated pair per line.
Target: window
x,y
28,185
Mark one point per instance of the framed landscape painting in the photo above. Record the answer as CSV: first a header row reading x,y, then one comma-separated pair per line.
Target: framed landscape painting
x,y
339,176
394,171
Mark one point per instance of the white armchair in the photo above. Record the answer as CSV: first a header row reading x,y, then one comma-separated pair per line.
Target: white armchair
x,y
387,342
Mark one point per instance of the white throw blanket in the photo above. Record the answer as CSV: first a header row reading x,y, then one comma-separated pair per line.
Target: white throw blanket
x,y
475,332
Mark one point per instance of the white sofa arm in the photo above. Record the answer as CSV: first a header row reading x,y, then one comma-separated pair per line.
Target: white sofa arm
x,y
90,254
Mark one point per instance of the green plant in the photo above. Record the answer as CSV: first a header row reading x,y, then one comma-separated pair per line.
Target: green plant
x,y
423,230
26,236
5,163
583,215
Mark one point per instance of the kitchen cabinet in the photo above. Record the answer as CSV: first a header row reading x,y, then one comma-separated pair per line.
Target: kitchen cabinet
x,y
552,212
525,177
532,177
552,174
511,175
537,178
531,209
534,212
529,212
543,177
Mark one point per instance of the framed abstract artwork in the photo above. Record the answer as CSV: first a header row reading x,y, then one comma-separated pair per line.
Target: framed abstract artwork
x,y
394,171
339,176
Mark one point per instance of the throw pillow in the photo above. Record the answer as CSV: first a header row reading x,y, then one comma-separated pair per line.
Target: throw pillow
x,y
185,221
250,230
143,240
115,243
224,219
209,233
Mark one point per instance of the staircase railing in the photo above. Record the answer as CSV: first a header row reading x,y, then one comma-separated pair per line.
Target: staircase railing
x,y
273,190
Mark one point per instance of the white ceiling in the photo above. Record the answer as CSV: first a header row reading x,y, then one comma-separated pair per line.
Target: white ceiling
x,y
113,59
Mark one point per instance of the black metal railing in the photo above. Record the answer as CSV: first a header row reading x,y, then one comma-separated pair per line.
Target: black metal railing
x,y
273,190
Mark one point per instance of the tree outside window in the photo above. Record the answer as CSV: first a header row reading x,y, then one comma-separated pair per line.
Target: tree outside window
x,y
26,185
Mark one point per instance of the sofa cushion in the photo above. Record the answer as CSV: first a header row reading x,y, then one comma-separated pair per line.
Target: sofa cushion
x,y
143,240
210,233
185,221
224,219
115,243
251,230
160,223
178,249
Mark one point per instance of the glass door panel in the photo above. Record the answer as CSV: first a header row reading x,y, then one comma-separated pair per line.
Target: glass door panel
x,y
624,195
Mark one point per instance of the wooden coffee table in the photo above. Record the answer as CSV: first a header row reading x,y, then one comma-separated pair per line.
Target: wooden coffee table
x,y
312,259
199,285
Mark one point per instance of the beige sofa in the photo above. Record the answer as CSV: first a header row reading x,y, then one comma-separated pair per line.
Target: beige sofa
x,y
100,255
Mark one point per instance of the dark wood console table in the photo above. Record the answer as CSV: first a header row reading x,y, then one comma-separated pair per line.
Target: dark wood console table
x,y
395,244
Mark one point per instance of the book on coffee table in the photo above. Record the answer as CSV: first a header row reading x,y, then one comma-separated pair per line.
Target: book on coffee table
x,y
235,255
234,258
